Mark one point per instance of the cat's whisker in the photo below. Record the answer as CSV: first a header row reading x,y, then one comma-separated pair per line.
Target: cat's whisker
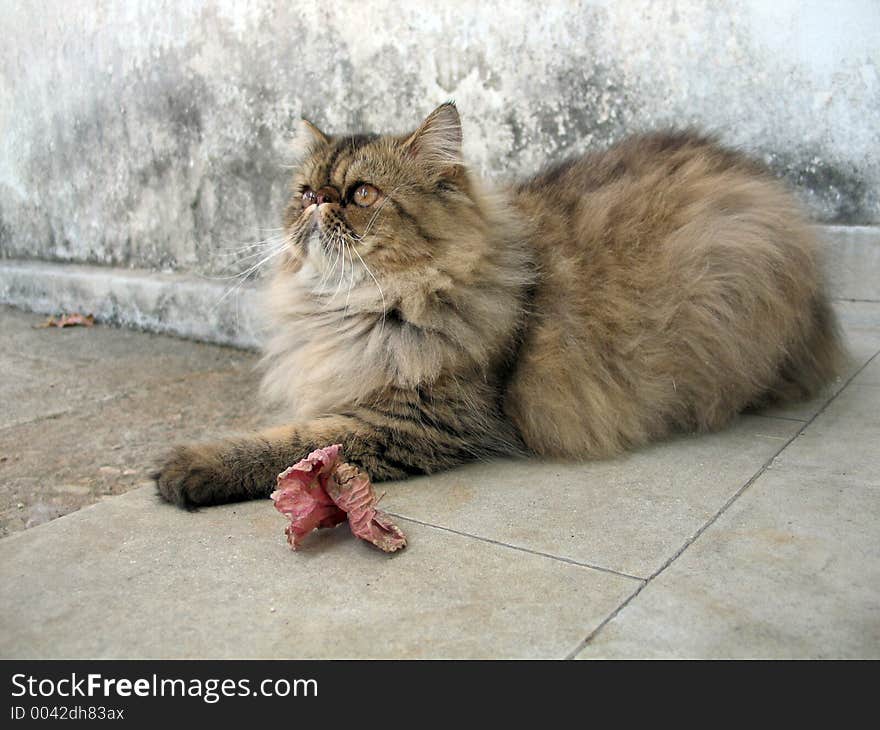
x,y
244,276
340,243
244,249
327,243
378,286
251,269
325,272
278,234
349,248
268,257
255,254
328,269
264,251
340,259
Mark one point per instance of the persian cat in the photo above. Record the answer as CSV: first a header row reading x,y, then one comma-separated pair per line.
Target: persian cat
x,y
421,320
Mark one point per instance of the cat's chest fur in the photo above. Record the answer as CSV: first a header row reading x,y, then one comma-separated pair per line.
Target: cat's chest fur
x,y
343,347
324,350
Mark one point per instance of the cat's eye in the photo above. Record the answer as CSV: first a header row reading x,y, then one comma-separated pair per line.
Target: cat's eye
x,y
365,195
309,197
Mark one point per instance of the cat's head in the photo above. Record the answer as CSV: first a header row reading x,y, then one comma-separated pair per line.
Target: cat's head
x,y
387,203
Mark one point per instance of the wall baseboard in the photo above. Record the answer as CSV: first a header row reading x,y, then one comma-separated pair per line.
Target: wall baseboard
x,y
199,308
179,304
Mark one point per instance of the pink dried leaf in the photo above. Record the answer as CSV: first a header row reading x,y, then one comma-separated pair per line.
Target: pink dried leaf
x,y
352,491
301,495
320,492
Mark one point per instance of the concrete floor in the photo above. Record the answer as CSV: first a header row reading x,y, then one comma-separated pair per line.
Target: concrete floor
x,y
761,541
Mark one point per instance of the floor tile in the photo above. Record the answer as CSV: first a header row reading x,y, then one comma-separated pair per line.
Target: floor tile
x,y
133,578
871,374
629,514
852,257
845,438
791,569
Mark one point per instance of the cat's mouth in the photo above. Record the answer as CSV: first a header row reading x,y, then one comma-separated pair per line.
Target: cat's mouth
x,y
325,236
310,232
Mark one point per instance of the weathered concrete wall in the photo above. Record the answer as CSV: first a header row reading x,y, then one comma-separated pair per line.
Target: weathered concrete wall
x,y
152,134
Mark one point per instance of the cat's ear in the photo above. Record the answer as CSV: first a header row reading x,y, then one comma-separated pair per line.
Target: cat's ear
x,y
437,142
309,130
306,138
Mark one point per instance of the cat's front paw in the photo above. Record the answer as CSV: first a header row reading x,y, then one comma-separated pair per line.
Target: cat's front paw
x,y
193,476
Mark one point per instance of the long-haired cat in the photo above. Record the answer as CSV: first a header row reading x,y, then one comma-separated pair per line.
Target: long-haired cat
x,y
421,320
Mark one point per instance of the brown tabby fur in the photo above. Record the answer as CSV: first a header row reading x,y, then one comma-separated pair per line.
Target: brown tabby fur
x,y
664,285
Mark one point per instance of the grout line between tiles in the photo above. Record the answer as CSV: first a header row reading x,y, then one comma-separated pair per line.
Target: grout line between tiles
x,y
519,548
782,418
583,644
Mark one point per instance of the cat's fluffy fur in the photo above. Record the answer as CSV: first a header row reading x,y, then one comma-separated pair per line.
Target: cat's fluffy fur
x,y
664,285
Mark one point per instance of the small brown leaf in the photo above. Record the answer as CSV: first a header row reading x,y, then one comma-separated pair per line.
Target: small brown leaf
x,y
68,320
